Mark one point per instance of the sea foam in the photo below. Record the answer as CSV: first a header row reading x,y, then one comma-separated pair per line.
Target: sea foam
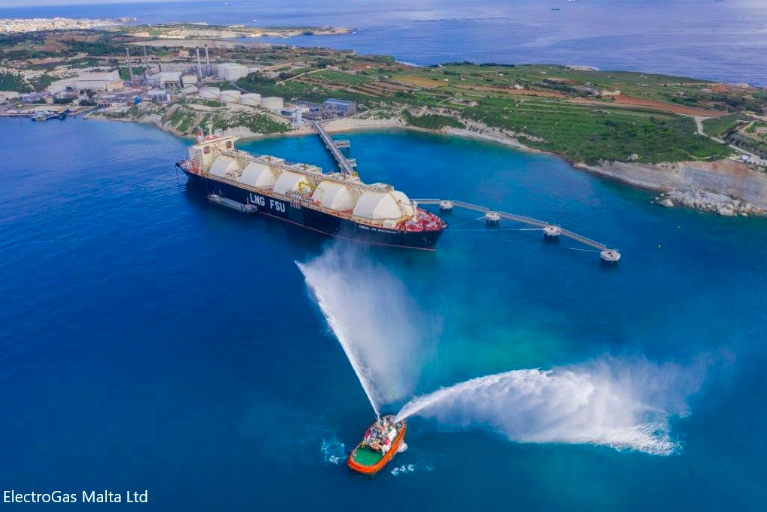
x,y
626,404
374,319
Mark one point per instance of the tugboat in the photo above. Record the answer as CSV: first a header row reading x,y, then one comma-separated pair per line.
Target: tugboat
x,y
382,440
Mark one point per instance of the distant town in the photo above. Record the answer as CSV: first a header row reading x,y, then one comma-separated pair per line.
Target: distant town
x,y
22,25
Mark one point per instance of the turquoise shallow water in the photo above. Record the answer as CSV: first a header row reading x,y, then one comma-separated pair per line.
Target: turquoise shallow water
x,y
153,341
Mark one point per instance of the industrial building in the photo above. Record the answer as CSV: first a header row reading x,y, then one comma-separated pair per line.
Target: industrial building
x,y
167,79
295,115
342,107
103,81
187,80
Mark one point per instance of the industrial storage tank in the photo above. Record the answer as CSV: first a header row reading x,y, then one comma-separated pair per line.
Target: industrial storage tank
x,y
290,182
211,93
258,175
251,99
391,205
225,167
272,102
334,196
231,71
230,96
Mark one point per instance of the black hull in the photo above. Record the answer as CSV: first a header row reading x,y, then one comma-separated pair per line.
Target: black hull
x,y
319,221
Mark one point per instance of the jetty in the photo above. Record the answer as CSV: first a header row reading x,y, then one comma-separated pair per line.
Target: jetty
x,y
345,164
491,217
549,230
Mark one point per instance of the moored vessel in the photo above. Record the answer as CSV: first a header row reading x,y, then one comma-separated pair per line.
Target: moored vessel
x,y
382,440
334,204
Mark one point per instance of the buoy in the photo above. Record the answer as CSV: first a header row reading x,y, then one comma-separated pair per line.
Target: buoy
x,y
446,205
552,231
492,217
610,255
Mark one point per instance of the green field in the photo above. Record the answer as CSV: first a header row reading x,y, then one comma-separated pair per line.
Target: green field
x,y
13,82
722,126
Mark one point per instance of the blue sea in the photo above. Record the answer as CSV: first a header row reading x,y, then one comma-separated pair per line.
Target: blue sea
x,y
725,41
150,340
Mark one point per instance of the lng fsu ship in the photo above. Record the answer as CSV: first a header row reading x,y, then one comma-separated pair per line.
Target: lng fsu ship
x,y
334,204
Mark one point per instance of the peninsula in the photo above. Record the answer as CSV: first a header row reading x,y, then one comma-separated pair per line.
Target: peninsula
x,y
701,144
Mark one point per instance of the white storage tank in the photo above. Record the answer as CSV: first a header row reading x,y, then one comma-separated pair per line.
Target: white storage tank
x,y
251,99
290,182
210,93
231,71
225,167
230,96
272,103
334,196
391,205
258,175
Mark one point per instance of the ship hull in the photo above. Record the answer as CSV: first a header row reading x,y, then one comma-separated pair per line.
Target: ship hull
x,y
320,221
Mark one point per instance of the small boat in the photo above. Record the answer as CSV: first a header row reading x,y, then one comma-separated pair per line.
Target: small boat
x,y
382,440
234,205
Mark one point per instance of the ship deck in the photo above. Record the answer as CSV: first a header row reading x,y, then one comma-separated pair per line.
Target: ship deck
x,y
367,457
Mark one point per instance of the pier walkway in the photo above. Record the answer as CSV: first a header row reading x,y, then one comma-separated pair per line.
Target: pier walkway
x,y
521,219
343,163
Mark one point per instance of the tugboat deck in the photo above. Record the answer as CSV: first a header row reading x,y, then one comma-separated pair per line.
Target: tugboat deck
x,y
367,457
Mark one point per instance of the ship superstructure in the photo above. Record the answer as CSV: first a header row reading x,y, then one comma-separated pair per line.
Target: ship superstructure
x,y
335,204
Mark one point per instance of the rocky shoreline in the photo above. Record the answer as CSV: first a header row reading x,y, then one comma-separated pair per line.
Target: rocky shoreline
x,y
727,187
705,201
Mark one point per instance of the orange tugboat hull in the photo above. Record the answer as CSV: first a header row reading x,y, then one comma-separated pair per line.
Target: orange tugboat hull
x,y
372,469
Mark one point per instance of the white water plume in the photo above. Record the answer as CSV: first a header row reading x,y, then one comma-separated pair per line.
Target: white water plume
x,y
374,319
622,404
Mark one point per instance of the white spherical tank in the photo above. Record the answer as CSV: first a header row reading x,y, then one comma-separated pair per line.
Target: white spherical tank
x,y
230,96
210,93
272,103
251,99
